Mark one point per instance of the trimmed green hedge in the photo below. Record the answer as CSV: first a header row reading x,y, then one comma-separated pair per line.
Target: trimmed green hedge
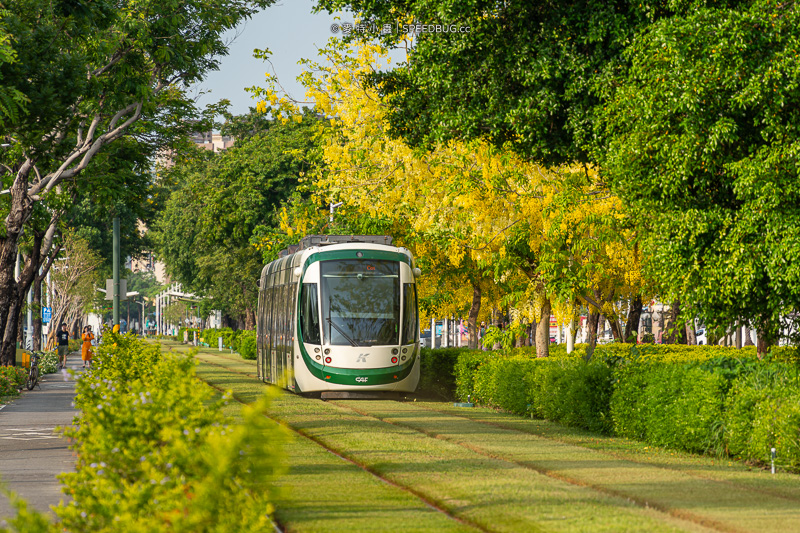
x,y
241,341
156,452
705,399
437,378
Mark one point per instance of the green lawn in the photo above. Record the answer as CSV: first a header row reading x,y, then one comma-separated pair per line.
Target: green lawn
x,y
494,472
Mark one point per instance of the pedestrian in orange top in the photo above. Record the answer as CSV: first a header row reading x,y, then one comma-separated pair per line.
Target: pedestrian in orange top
x,y
86,348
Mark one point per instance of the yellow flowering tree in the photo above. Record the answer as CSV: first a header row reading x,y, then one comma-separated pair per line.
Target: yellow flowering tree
x,y
485,222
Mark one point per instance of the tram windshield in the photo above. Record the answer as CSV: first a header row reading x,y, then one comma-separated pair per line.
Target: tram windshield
x,y
360,302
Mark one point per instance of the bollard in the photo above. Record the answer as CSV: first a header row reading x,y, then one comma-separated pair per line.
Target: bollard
x,y
773,460
468,403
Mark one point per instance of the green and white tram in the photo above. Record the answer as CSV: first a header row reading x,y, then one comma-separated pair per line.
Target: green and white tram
x,y
339,313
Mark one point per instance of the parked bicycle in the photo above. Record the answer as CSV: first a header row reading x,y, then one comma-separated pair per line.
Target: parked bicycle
x,y
33,372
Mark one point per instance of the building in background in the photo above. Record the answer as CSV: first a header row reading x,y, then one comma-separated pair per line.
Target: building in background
x,y
213,141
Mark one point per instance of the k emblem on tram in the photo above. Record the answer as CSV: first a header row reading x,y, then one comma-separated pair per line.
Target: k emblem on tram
x,y
362,358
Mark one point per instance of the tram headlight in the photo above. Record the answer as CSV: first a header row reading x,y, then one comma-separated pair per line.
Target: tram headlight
x,y
403,358
328,360
327,351
319,357
394,351
394,360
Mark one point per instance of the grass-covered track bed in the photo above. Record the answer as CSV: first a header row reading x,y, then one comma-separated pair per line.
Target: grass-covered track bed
x,y
504,473
748,501
325,490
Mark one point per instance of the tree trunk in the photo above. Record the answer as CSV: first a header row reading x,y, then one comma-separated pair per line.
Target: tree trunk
x,y
616,330
528,329
738,335
19,211
75,328
250,319
762,348
13,326
55,326
591,323
14,317
691,334
8,297
576,323
634,316
543,331
37,315
673,333
768,336
472,320
748,338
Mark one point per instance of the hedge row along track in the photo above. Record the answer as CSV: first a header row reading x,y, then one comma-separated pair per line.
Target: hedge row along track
x,y
499,472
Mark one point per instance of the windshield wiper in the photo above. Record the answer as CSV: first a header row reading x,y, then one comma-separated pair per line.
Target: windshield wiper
x,y
340,330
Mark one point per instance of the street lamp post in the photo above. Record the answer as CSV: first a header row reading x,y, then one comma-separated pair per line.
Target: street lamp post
x,y
141,316
115,266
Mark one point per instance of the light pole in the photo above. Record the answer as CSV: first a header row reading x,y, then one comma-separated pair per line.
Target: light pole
x,y
141,316
115,266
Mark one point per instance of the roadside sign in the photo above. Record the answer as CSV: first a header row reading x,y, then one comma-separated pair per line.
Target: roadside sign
x,y
123,289
47,312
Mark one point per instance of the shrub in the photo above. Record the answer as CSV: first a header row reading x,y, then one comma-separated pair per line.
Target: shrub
x,y
761,413
48,362
709,399
246,344
156,453
437,372
677,406
465,368
75,345
12,378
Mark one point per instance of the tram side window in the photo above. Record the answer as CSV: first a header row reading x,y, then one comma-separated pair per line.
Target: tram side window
x,y
271,319
309,313
410,319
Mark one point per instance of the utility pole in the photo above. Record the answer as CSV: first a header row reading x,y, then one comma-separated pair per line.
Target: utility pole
x,y
115,267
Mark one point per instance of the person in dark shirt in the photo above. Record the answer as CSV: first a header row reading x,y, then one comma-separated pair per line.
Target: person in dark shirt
x,y
63,346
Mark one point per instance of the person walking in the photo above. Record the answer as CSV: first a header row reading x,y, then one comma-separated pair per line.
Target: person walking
x,y
86,348
63,346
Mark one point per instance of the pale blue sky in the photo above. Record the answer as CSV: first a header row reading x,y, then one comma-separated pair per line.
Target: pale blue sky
x,y
290,31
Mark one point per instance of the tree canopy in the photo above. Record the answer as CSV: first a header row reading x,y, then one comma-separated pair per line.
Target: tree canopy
x,y
220,200
76,77
705,145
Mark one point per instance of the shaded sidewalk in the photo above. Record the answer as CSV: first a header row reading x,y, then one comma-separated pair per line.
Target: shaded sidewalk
x,y
31,453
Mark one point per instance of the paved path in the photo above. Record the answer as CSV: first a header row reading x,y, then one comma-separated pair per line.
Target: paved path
x,y
31,454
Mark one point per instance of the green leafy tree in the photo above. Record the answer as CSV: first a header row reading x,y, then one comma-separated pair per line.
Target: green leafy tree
x,y
525,73
12,101
204,235
72,284
705,146
91,72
